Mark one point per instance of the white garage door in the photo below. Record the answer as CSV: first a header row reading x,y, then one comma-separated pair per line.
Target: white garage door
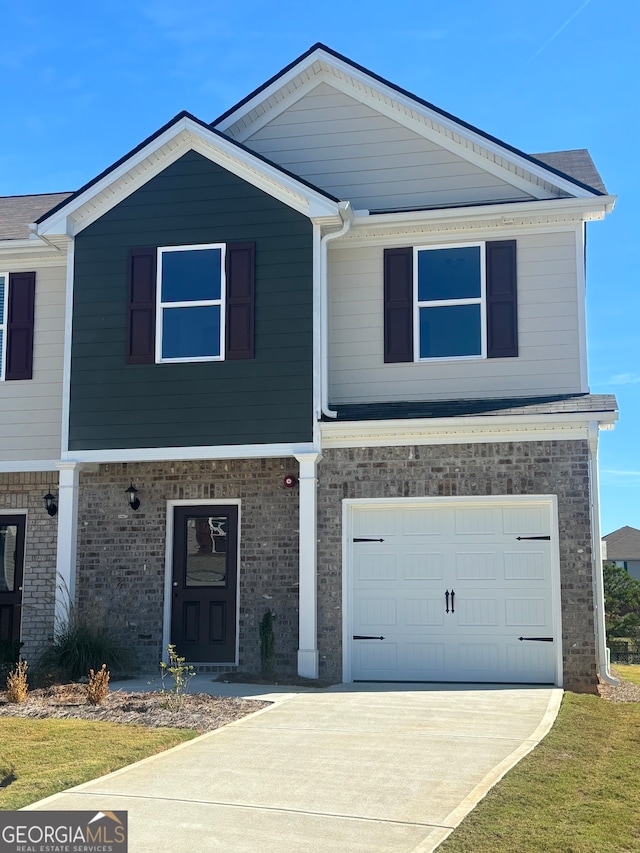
x,y
452,592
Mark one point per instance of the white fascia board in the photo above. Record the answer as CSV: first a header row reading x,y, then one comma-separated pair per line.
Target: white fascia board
x,y
29,466
185,454
387,102
583,209
465,430
189,135
33,251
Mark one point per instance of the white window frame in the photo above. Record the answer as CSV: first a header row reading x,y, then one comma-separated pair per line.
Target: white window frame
x,y
3,327
199,303
437,303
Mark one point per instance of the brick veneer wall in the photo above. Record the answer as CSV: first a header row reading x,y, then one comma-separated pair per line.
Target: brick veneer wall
x,y
509,468
121,553
24,491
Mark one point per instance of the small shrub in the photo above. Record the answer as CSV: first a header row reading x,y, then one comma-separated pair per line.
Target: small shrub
x,y
180,674
17,687
267,644
98,686
83,642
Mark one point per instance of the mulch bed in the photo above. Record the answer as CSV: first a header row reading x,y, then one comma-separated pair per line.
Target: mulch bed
x,y
623,692
198,711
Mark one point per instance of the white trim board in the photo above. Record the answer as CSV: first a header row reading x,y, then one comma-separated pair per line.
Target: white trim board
x,y
185,454
470,430
348,507
182,136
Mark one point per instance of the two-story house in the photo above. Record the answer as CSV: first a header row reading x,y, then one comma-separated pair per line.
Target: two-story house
x,y
325,355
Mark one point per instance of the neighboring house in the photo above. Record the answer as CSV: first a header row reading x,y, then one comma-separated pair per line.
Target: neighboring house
x,y
622,547
336,341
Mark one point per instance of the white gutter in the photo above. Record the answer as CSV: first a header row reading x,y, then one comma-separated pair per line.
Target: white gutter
x,y
598,581
33,228
346,214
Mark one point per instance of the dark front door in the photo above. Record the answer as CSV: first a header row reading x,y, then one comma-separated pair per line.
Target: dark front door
x,y
205,574
11,567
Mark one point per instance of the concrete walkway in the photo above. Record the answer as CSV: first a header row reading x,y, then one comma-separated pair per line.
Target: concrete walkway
x,y
364,768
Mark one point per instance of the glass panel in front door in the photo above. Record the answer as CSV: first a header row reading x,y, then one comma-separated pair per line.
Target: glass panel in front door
x,y
8,539
206,557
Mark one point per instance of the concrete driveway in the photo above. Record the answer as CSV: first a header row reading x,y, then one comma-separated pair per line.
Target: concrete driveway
x,y
364,768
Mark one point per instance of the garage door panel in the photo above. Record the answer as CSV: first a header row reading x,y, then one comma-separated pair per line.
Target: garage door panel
x,y
502,584
477,521
525,521
477,565
375,613
422,566
525,565
526,612
426,612
476,612
376,567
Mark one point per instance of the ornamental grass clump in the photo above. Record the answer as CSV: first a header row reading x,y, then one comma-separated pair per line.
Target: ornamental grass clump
x,y
17,686
98,685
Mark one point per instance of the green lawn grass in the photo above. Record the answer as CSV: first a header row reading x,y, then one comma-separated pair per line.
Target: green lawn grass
x,y
42,757
577,792
628,672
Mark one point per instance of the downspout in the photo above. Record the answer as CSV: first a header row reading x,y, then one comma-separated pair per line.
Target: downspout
x,y
346,214
598,582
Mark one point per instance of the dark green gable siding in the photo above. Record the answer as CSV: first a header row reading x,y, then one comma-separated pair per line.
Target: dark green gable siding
x,y
267,399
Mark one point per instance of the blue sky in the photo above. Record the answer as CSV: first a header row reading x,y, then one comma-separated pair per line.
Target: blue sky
x,y
82,84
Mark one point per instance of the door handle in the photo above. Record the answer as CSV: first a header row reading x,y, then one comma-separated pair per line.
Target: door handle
x,y
453,595
446,596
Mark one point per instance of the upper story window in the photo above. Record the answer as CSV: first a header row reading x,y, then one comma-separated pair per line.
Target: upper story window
x,y
191,303
450,302
450,309
17,299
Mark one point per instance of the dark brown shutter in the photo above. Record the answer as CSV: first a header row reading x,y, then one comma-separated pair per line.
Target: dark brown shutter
x,y
398,304
240,273
502,302
22,295
141,319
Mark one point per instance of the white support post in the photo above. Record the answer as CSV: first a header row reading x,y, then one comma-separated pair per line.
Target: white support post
x,y
69,478
308,626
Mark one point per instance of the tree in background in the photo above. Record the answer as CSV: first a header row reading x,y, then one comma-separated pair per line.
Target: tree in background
x,y
621,602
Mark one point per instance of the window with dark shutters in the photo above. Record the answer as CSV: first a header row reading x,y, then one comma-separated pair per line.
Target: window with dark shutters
x,y
398,304
240,302
20,315
240,261
500,300
502,305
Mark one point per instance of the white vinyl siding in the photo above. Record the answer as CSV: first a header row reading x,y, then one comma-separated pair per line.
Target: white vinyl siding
x,y
31,411
354,152
548,332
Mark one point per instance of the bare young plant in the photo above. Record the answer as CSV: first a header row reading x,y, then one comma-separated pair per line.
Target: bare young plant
x,y
17,686
180,674
98,685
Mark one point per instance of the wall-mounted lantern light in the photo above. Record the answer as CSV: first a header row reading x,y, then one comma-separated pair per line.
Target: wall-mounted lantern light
x,y
132,492
50,504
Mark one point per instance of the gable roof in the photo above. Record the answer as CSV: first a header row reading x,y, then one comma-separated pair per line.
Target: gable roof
x,y
623,544
17,211
286,84
184,132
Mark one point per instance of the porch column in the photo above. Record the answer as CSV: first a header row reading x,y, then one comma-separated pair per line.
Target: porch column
x,y
308,625
69,478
